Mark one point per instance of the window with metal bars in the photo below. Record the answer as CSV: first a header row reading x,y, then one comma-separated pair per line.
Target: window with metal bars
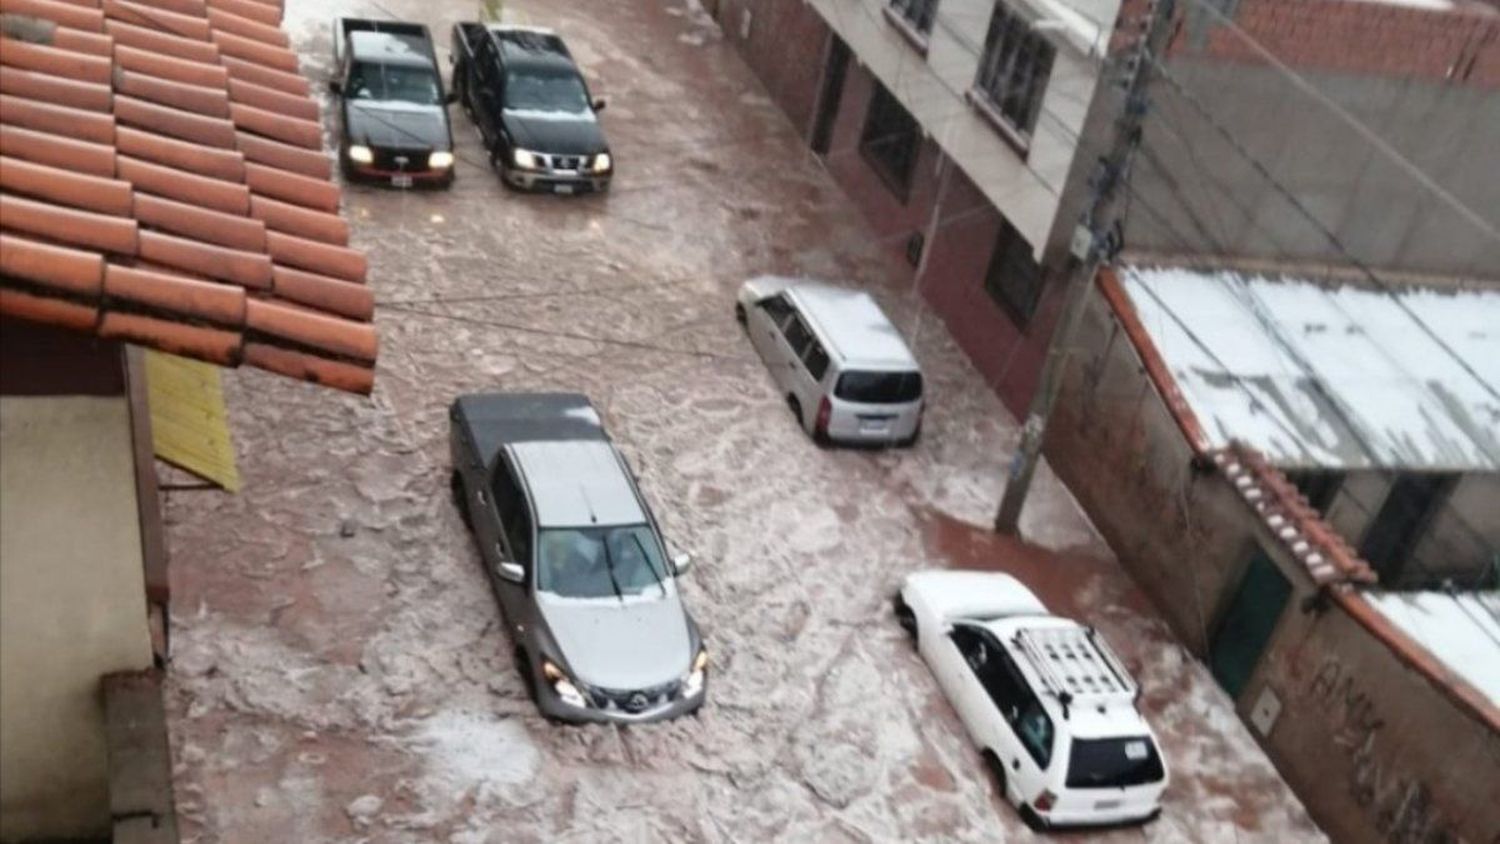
x,y
1013,72
918,14
1014,279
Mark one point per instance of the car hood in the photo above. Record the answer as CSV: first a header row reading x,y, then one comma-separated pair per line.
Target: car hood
x,y
635,644
555,132
390,124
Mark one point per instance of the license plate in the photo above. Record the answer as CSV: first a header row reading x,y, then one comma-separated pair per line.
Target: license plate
x,y
562,189
874,427
1107,805
401,180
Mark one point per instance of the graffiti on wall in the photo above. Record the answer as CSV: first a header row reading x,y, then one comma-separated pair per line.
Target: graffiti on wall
x,y
1400,807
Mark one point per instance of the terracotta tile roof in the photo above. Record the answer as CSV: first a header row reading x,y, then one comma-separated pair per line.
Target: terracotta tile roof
x,y
1299,528
163,181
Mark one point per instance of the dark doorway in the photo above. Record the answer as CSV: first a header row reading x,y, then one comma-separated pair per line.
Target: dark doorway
x,y
1398,526
832,94
1248,623
1318,487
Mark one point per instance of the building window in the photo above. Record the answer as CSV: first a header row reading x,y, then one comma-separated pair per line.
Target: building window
x,y
1013,74
914,16
890,141
1317,486
1014,279
1401,522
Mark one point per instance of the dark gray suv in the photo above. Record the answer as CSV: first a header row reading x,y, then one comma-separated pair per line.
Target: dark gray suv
x,y
586,587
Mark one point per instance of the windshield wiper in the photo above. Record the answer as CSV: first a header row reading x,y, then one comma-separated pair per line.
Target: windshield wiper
x,y
647,557
609,566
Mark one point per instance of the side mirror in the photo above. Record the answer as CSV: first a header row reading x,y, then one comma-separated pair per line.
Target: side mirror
x,y
511,572
599,104
336,86
681,563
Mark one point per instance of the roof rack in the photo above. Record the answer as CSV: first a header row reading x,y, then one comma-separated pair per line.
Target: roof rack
x,y
1074,664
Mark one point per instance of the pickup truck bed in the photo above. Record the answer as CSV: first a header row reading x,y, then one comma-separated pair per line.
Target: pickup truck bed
x,y
490,420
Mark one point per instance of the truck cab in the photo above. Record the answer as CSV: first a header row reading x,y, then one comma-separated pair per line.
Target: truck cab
x,y
533,108
393,111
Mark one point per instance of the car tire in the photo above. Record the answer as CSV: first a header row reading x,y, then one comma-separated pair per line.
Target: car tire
x,y
911,441
1032,820
904,616
739,314
997,770
796,406
456,485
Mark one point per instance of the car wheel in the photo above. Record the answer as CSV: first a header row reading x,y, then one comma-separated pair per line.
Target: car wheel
x,y
997,770
1032,819
456,484
796,406
904,616
739,314
910,441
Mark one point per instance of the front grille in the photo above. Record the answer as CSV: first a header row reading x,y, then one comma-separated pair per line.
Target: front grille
x,y
635,701
567,162
415,159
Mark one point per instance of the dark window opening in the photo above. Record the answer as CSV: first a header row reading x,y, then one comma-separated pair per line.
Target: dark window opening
x,y
777,308
1114,763
798,337
891,141
1400,523
917,13
515,519
1014,278
879,387
1318,487
816,361
1014,71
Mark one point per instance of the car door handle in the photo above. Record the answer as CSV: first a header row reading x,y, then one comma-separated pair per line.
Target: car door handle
x,y
1015,764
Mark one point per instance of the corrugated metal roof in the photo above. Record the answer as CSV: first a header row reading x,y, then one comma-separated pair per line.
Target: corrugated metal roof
x,y
163,181
1462,630
1338,378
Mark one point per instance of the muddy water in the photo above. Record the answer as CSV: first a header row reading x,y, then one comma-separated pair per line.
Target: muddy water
x,y
339,672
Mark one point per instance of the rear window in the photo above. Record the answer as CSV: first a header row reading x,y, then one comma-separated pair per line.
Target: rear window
x,y
1114,763
880,387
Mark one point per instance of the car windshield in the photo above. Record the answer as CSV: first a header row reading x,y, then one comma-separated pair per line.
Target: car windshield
x,y
539,91
1114,763
599,562
394,82
880,387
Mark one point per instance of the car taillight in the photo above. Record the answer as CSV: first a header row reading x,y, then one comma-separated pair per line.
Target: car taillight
x,y
1044,801
825,412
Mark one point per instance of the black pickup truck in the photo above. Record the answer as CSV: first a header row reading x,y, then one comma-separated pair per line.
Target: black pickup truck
x,y
394,125
522,88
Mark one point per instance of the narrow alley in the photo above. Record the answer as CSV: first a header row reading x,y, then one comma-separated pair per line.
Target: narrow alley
x,y
339,672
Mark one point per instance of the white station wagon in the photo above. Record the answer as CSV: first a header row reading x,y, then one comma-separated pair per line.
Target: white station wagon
x,y
842,365
1045,699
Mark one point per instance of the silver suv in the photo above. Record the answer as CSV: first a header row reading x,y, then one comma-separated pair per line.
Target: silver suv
x,y
586,587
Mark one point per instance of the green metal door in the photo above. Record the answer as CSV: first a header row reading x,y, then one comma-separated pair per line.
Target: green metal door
x,y
1248,623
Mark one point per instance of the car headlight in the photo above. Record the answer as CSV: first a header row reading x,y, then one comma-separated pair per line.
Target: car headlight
x,y
440,160
602,162
361,154
566,690
527,159
692,684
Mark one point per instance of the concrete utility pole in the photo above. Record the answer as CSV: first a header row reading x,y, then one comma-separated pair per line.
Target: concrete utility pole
x,y
1095,243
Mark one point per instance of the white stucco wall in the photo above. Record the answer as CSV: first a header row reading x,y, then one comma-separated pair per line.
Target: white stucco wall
x,y
72,606
1027,190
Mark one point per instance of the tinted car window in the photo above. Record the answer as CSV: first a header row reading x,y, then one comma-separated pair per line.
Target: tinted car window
x,y
798,336
1114,763
393,82
777,308
880,387
540,90
515,519
1035,731
816,360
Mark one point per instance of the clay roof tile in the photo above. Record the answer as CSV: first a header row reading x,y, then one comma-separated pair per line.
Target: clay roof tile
x,y
159,159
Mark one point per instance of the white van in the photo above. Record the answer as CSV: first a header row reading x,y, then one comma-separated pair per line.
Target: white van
x,y
842,365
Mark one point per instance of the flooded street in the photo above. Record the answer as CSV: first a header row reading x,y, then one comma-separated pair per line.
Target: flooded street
x,y
340,672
